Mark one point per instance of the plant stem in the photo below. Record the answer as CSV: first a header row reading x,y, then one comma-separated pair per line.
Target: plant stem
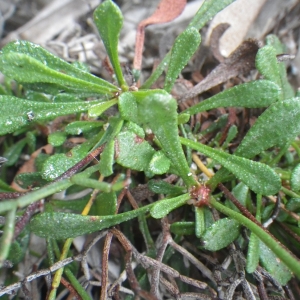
x,y
283,254
8,235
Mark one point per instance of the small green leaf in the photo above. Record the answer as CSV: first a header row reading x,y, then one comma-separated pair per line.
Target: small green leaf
x,y
133,127
253,253
162,208
57,138
184,47
267,65
98,109
158,111
107,159
183,228
12,154
53,62
293,204
133,152
207,11
78,127
295,179
109,20
240,192
16,112
287,90
258,177
34,179
200,221
163,187
25,69
261,93
220,234
57,164
273,265
128,107
183,118
159,163
276,126
106,204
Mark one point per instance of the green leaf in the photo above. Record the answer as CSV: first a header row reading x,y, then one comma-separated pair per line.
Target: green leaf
x,y
276,126
183,118
159,163
57,138
253,253
55,63
183,228
78,127
128,107
293,204
220,234
106,204
163,187
273,265
132,151
12,154
158,111
295,179
267,65
15,111
287,90
109,20
107,159
258,177
207,11
67,225
57,164
34,179
162,208
200,221
26,69
98,109
184,47
240,192
259,93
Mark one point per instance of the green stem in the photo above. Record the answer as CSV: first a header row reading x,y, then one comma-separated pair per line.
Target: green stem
x,y
36,195
78,287
283,254
8,234
290,193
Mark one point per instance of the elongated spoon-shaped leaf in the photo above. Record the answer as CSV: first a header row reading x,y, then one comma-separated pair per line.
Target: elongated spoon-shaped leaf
x,y
221,234
162,208
184,47
53,62
16,112
25,69
109,20
258,177
206,12
275,127
287,90
158,111
67,225
253,94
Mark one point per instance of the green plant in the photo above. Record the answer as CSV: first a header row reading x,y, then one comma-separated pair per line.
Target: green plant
x,y
124,144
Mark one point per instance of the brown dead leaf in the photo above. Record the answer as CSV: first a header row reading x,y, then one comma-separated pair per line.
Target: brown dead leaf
x,y
240,62
166,11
